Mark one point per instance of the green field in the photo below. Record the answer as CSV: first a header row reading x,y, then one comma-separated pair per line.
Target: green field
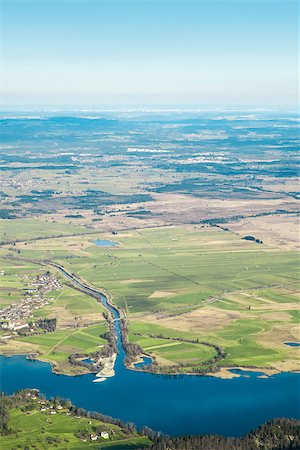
x,y
67,304
55,347
174,351
27,229
190,264
79,317
36,429
72,308
15,277
206,283
169,351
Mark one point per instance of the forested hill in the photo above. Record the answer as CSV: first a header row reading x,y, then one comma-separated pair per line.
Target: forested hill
x,y
276,434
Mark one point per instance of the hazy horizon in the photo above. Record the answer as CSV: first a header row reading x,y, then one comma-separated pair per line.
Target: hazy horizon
x,y
149,53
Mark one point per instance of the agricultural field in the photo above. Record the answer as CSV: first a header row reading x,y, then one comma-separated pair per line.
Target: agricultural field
x,y
194,282
79,318
56,347
16,276
169,351
178,191
72,308
130,170
28,229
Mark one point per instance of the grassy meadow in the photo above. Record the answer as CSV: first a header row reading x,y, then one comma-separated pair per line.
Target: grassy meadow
x,y
16,276
204,282
55,347
27,229
40,430
72,308
79,317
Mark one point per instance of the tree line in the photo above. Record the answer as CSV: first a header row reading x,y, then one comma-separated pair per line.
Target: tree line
x,y
277,434
206,366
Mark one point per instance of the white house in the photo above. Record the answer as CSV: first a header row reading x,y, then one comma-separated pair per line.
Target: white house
x,y
94,437
104,434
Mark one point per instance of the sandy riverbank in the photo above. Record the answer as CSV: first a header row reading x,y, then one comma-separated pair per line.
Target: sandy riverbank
x,y
108,370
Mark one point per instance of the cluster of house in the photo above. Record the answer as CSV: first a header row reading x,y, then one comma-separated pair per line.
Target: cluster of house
x,y
91,158
21,184
51,409
11,316
46,407
103,435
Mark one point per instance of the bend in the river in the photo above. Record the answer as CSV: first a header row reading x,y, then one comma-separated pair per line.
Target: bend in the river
x,y
183,404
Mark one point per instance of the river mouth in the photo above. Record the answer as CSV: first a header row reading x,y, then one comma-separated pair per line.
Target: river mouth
x,y
105,243
173,404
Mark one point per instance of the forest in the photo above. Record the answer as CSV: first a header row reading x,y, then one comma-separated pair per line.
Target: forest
x,y
277,434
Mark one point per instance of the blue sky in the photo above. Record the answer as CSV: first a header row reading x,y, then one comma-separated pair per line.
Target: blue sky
x,y
149,51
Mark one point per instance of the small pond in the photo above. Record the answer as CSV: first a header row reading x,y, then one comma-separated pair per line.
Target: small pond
x,y
292,344
105,243
88,361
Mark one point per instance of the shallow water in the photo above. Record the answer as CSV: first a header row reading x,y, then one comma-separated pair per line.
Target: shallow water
x,y
88,361
105,243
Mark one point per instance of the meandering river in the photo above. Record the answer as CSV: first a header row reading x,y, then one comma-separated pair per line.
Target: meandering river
x,y
180,404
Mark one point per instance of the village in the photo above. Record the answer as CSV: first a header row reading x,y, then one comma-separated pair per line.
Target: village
x,y
12,317
55,406
22,184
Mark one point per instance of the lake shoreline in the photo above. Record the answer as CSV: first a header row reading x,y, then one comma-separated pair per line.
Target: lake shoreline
x,y
119,315
225,373
207,396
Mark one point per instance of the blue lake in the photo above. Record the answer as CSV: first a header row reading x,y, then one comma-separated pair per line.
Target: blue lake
x,y
173,404
105,243
292,344
176,405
